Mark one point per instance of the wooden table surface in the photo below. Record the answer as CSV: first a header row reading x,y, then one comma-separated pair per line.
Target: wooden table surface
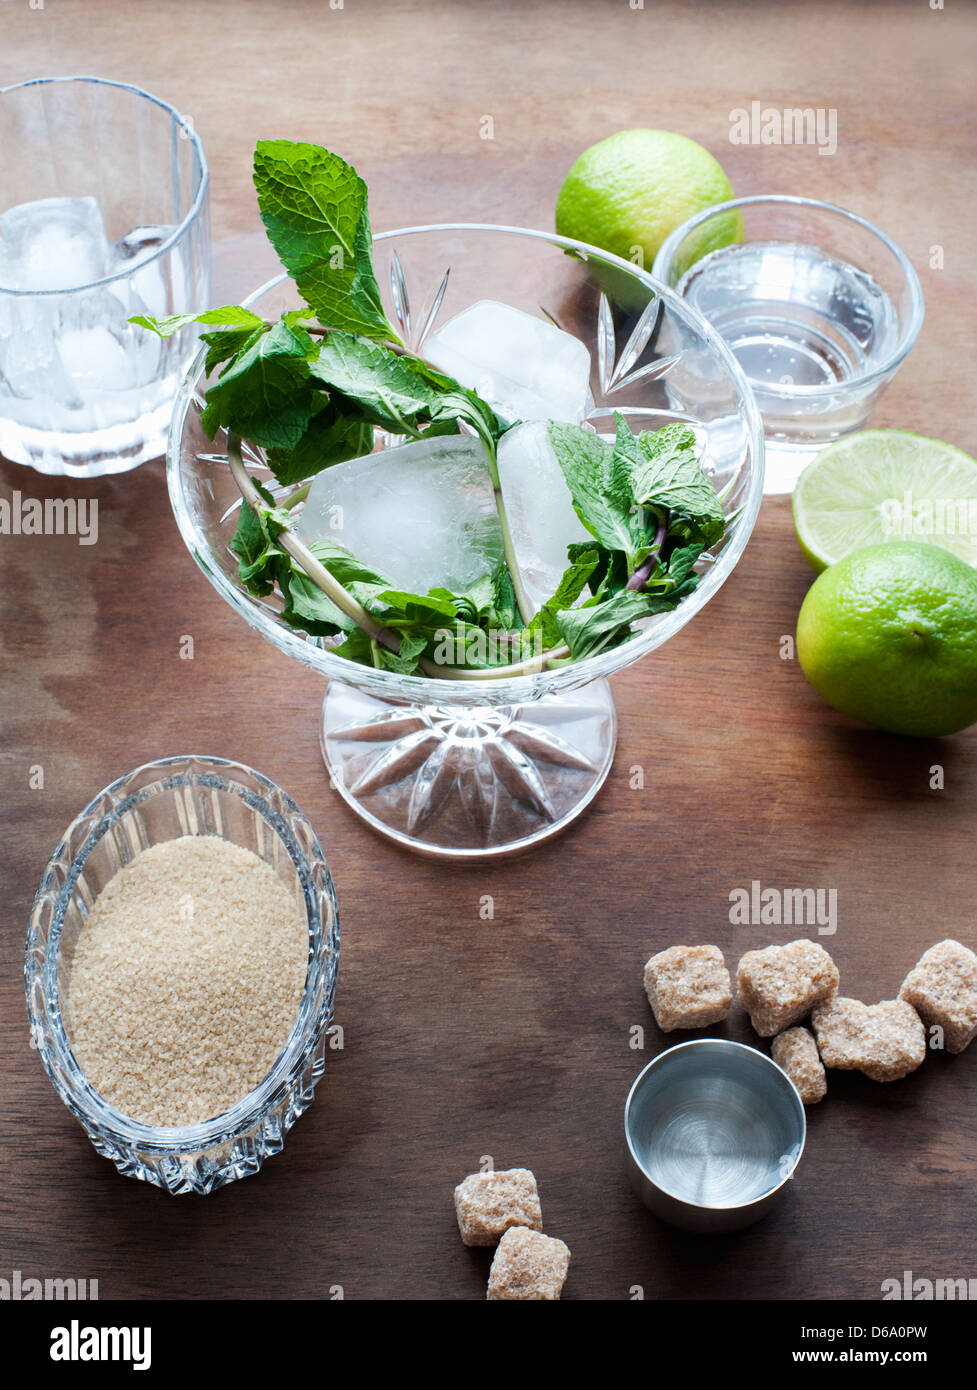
x,y
512,1037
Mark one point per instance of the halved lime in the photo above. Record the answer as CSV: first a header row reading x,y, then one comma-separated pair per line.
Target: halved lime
x,y
886,485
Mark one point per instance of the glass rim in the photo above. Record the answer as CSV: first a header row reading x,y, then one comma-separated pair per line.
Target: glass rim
x,y
914,322
50,1035
178,232
495,691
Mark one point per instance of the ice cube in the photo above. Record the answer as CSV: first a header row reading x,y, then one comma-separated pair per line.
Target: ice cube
x,y
421,514
30,367
95,358
63,347
525,367
53,244
539,507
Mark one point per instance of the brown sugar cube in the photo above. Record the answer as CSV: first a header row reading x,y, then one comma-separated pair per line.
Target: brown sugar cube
x,y
527,1266
487,1204
688,987
796,1053
942,988
885,1041
782,984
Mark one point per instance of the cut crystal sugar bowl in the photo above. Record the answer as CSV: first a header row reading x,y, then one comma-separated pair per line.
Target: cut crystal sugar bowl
x,y
470,768
161,801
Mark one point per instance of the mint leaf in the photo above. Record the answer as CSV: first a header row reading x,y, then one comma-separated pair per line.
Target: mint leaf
x,y
251,547
599,499
314,207
265,394
308,608
599,625
330,437
400,393
242,328
364,583
458,402
225,343
231,314
569,589
669,478
388,390
254,542
506,606
470,645
678,566
611,571
490,602
406,659
359,647
426,609
626,458
477,603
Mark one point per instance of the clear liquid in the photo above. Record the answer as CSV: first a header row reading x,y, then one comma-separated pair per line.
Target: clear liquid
x,y
796,317
793,315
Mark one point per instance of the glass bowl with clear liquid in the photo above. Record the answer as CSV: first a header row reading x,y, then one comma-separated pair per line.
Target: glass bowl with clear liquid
x,y
819,307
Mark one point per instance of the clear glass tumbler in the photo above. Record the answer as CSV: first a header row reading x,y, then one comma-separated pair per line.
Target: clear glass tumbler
x,y
104,216
158,802
819,307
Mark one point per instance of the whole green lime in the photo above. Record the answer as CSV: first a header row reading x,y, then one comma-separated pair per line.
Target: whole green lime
x,y
888,635
627,193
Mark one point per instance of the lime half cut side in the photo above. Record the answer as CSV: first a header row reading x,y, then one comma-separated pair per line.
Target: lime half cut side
x,y
886,485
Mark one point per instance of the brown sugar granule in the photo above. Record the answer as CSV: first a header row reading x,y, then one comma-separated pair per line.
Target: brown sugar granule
x,y
688,987
796,1053
487,1204
528,1266
884,1041
185,981
782,984
942,988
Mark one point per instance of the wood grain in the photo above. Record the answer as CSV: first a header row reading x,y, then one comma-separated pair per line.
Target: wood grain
x,y
511,1037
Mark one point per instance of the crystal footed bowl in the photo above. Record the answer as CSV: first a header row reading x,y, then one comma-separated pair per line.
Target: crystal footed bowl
x,y
485,766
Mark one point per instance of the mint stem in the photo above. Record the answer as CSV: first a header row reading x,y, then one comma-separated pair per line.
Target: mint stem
x,y
522,598
316,571
643,573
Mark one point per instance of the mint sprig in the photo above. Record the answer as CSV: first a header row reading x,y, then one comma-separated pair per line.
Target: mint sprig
x,y
309,389
314,207
653,511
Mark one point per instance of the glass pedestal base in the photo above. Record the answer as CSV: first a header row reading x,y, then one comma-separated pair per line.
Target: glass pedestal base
x,y
469,782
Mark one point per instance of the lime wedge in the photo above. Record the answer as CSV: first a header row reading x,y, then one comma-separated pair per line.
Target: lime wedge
x,y
886,485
